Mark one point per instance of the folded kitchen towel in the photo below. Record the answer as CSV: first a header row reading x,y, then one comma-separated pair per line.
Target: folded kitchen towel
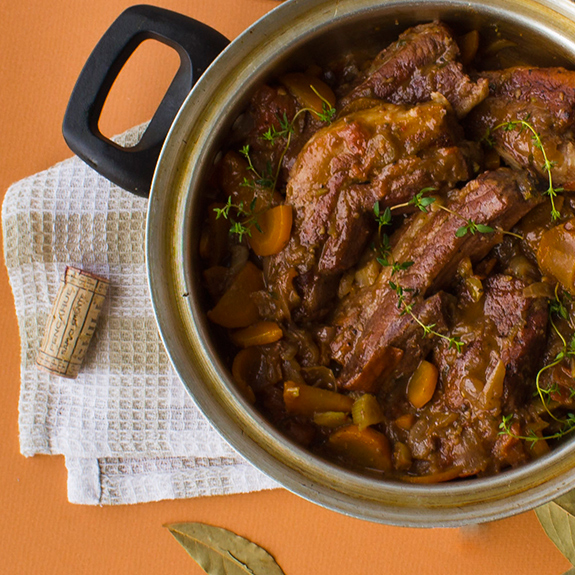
x,y
126,425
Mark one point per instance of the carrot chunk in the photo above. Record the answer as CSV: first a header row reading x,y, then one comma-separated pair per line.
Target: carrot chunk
x,y
405,421
274,231
300,85
245,369
366,448
421,386
556,254
303,399
259,333
236,308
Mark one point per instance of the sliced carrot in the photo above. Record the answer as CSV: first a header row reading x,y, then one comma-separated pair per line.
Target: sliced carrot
x,y
259,333
274,231
236,307
405,421
367,447
556,254
306,400
300,85
244,370
422,384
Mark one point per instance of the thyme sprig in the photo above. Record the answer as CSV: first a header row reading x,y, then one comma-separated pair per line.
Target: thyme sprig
x,y
267,178
384,247
428,329
287,127
422,203
506,424
248,215
559,309
264,179
522,125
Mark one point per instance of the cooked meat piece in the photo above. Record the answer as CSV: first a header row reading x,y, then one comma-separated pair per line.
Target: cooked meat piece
x,y
442,440
364,319
505,335
521,325
401,344
466,442
544,97
270,108
386,153
505,344
422,62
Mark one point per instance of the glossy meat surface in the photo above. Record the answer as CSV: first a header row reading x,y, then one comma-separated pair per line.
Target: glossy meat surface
x,y
386,153
416,320
363,320
546,99
422,62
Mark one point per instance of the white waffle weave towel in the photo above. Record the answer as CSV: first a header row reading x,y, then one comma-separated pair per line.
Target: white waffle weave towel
x,y
127,427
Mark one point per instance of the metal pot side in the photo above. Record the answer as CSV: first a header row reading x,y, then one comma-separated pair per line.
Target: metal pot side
x,y
293,33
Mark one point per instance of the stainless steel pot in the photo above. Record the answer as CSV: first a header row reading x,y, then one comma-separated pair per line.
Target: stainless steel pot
x,y
297,32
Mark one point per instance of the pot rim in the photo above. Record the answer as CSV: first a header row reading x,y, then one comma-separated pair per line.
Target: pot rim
x,y
174,205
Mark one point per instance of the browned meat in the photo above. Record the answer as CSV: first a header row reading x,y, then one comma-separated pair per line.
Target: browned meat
x,y
506,345
400,345
423,61
521,325
544,97
386,153
505,334
364,319
269,107
446,320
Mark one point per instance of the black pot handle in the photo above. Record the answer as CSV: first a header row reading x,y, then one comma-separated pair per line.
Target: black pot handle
x,y
197,45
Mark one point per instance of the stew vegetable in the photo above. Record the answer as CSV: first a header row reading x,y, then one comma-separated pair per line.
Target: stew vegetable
x,y
389,248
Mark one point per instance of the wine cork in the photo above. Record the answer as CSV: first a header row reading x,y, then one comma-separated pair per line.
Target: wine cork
x,y
72,322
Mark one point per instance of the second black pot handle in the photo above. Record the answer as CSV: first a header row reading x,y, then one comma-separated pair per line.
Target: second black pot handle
x,y
196,44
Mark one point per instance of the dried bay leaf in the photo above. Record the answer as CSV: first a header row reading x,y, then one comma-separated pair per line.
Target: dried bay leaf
x,y
221,552
559,525
567,501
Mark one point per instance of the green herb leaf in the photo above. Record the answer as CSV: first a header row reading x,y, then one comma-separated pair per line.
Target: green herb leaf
x,y
382,219
538,144
422,202
483,229
221,552
462,231
559,524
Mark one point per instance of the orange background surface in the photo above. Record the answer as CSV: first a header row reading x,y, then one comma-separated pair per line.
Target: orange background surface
x,y
43,46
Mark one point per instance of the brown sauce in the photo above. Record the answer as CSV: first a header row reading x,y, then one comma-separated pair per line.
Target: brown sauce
x,y
390,257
